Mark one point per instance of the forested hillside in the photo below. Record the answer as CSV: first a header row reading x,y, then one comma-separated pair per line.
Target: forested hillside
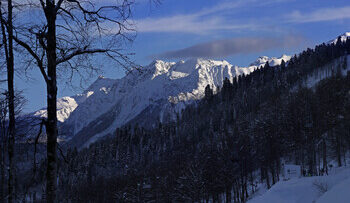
x,y
228,142
153,101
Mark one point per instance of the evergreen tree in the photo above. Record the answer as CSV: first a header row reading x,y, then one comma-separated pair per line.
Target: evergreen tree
x,y
208,92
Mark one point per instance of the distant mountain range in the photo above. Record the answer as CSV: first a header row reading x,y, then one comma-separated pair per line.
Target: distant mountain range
x,y
158,92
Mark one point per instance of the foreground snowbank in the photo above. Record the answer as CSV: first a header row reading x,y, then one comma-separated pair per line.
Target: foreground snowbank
x,y
339,193
334,188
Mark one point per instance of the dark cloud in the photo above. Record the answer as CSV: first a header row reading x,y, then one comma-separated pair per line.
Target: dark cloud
x,y
233,46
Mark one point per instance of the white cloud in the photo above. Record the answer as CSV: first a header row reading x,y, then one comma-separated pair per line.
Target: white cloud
x,y
232,46
203,21
186,24
319,15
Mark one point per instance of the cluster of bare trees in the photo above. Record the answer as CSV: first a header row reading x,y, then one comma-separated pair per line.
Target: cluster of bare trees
x,y
57,37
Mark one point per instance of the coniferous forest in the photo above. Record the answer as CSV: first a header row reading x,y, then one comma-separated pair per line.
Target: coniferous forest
x,y
220,148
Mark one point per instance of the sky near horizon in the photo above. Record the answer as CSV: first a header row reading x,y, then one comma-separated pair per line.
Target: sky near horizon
x,y
238,31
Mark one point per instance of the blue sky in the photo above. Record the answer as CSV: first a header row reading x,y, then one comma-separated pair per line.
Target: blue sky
x,y
237,31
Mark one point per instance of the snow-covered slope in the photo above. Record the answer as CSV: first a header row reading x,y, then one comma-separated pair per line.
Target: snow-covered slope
x,y
319,189
66,105
159,91
327,71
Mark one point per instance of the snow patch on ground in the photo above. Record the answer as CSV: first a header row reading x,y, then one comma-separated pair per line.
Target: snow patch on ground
x,y
340,193
326,72
307,189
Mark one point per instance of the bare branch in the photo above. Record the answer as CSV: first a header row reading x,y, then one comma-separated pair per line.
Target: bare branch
x,y
4,41
58,6
62,154
34,55
81,52
42,4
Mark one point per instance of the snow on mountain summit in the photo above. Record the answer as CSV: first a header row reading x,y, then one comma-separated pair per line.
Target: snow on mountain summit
x,y
273,61
65,106
160,67
343,38
165,86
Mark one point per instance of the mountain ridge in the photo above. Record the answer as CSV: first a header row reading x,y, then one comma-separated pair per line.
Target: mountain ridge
x,y
158,92
173,85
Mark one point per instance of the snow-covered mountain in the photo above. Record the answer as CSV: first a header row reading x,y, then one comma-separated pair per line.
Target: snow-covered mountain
x,y
156,93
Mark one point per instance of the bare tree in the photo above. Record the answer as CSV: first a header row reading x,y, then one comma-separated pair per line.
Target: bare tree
x,y
8,49
3,114
62,37
3,133
19,102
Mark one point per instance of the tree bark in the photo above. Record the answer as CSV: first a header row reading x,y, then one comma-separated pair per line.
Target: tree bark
x,y
3,119
278,169
228,194
324,157
272,173
8,46
51,124
338,150
267,179
2,167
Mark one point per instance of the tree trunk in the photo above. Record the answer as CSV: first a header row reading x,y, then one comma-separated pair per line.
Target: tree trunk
x,y
2,170
215,197
267,179
235,195
51,124
246,190
278,169
3,126
3,147
324,157
8,45
338,145
302,159
228,194
315,160
242,189
262,174
272,173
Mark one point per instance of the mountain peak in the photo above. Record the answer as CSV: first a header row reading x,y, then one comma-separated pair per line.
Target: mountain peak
x,y
347,34
273,61
159,67
343,38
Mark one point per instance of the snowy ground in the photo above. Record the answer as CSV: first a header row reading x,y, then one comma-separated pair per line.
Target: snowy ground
x,y
334,188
